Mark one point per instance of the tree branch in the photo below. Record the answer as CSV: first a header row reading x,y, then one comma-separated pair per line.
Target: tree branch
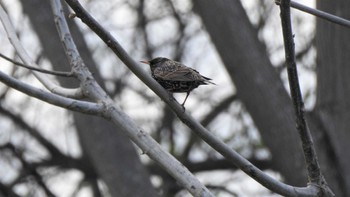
x,y
314,172
206,135
208,118
11,33
68,103
57,73
324,15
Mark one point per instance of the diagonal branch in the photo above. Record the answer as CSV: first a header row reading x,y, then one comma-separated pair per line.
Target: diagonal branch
x,y
313,167
118,117
206,121
206,135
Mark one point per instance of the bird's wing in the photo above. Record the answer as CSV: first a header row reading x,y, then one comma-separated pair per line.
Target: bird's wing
x,y
180,74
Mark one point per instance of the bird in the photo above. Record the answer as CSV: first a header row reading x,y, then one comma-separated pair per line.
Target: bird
x,y
175,77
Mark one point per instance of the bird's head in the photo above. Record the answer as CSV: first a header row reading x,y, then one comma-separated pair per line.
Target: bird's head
x,y
155,62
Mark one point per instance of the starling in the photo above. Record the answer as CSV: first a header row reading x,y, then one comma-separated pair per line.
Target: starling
x,y
176,77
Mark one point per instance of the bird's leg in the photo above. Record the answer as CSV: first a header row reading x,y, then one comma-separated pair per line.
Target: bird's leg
x,y
183,104
171,96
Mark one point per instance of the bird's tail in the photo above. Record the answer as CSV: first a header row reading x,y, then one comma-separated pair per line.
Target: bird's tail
x,y
207,80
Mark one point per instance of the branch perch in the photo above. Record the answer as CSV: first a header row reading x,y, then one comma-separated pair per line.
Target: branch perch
x,y
206,135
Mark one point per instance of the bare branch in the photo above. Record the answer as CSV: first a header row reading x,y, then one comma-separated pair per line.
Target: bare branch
x,y
57,73
68,103
206,121
11,33
324,15
314,172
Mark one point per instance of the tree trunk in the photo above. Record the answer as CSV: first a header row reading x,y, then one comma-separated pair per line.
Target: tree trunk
x,y
333,91
111,153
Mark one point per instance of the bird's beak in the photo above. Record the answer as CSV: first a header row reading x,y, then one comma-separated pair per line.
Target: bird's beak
x,y
145,62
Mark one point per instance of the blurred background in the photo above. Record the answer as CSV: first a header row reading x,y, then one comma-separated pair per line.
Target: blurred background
x,y
49,151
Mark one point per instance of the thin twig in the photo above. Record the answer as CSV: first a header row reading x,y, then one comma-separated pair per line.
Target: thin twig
x,y
313,167
23,54
56,73
324,15
68,103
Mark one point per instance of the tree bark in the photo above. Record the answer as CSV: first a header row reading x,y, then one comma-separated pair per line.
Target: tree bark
x,y
111,153
333,91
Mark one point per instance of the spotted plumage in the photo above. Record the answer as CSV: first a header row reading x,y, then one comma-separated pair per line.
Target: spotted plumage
x,y
176,77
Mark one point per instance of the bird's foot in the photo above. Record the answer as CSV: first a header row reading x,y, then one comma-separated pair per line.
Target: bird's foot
x,y
171,96
183,107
